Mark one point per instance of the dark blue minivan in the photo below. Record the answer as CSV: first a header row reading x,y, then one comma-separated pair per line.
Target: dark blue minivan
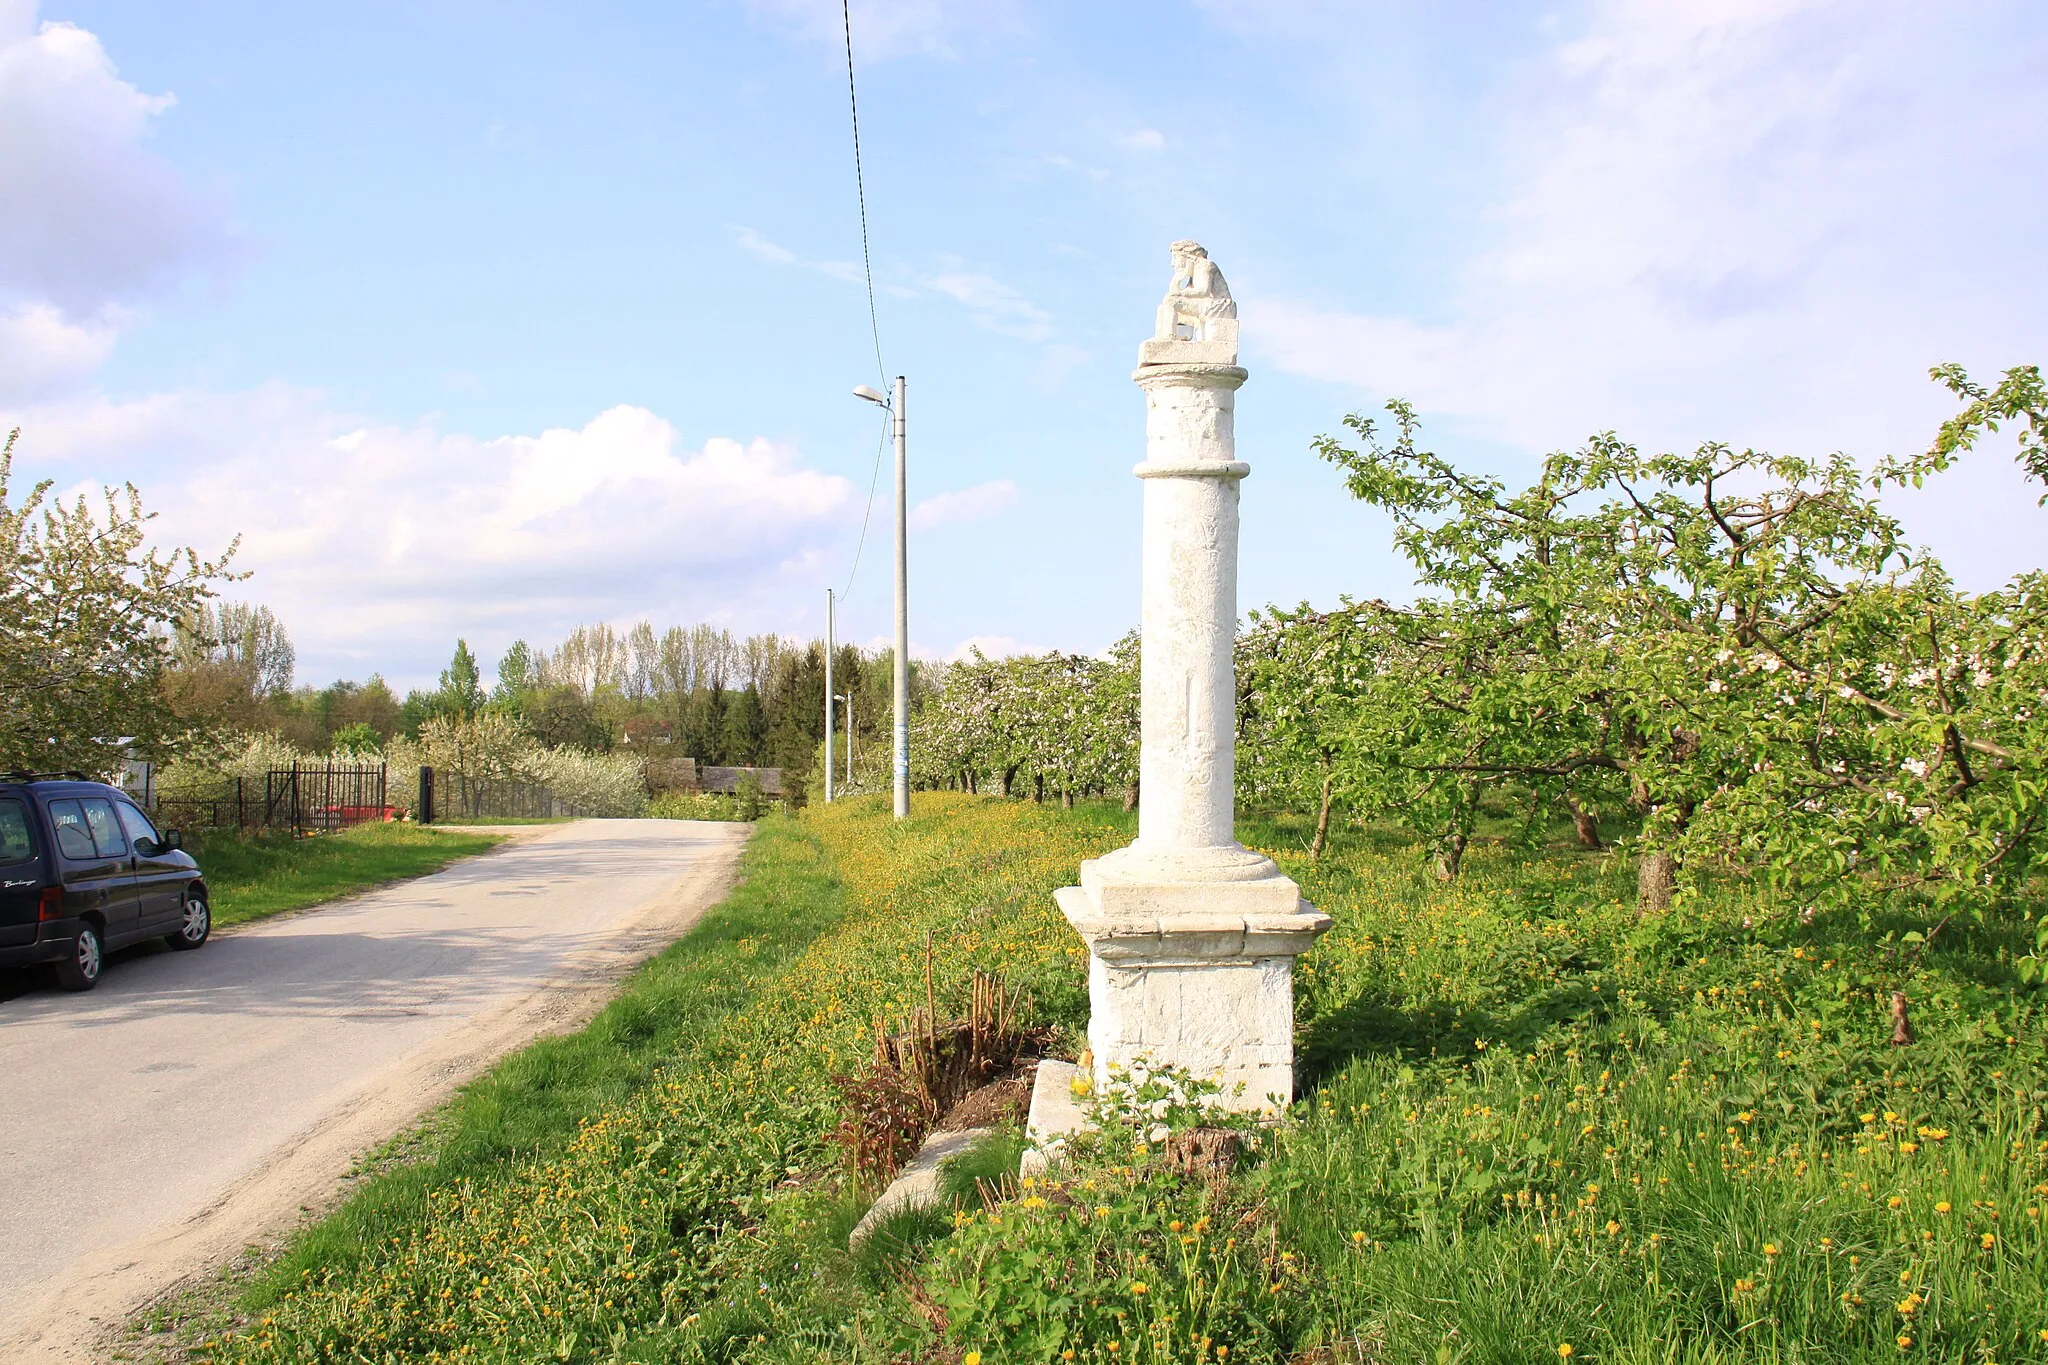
x,y
83,872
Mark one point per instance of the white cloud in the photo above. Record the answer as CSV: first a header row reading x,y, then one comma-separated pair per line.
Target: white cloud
x,y
1145,140
754,244
379,544
963,505
41,352
994,305
93,221
1754,219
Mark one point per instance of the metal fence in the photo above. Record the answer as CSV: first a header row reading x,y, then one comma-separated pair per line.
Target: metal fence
x,y
302,798
458,796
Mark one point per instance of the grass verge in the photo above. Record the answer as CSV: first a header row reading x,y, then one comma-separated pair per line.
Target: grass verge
x,y
642,1223
1533,1127
253,876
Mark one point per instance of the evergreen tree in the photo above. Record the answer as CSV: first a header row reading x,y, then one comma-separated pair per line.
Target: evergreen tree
x,y
462,682
702,732
743,728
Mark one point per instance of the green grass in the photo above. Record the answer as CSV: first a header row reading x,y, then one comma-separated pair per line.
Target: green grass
x,y
708,806
252,876
1535,1122
535,1103
1530,1121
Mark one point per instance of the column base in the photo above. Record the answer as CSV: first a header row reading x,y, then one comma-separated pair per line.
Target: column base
x,y
1191,965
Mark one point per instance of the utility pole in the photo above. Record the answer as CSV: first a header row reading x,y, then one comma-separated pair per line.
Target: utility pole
x,y
900,762
902,756
828,698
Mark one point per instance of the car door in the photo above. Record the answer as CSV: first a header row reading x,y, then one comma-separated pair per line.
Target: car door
x,y
159,878
20,875
98,874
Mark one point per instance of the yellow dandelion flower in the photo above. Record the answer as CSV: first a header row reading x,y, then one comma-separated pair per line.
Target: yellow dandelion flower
x,y
1942,1207
1564,1350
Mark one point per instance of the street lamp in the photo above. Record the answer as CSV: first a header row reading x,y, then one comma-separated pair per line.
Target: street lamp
x,y
902,680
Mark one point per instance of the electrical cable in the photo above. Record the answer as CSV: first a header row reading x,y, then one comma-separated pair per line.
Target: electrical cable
x,y
860,190
873,484
868,268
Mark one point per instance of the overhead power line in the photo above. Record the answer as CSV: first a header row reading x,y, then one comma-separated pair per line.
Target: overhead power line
x,y
868,269
860,190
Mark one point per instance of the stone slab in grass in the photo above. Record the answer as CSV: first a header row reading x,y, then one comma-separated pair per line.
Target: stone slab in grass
x,y
917,1185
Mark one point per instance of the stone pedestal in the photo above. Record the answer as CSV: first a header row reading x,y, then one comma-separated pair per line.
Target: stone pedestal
x,y
1191,936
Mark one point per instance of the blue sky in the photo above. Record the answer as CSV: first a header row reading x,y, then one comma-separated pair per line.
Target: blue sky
x,y
487,320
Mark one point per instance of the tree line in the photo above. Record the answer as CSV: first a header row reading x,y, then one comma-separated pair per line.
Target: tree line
x,y
112,649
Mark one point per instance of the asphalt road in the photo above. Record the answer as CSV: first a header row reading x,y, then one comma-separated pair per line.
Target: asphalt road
x,y
196,1101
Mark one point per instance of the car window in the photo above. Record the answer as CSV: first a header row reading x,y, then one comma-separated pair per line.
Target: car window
x,y
17,841
142,833
106,830
74,840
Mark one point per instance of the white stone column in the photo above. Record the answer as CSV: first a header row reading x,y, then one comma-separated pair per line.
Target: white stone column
x,y
1191,936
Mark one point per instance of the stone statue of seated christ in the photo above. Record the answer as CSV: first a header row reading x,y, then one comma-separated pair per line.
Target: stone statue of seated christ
x,y
1198,318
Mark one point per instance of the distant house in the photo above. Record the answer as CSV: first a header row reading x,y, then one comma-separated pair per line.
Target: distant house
x,y
729,780
688,775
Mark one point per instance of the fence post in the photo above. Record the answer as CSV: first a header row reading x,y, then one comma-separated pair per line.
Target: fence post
x,y
295,798
425,814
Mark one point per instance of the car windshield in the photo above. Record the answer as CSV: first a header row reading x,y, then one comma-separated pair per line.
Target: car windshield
x,y
137,824
17,842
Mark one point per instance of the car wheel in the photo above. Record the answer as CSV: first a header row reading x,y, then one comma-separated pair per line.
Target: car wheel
x,y
81,970
194,926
